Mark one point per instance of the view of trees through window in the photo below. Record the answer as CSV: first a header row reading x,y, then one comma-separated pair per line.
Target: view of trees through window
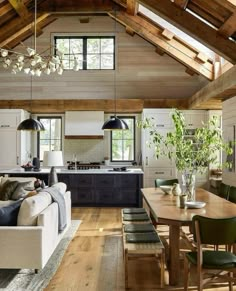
x,y
51,138
88,53
123,142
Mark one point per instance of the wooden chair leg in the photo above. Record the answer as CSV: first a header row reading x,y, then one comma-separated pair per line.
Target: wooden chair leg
x,y
231,282
199,279
162,268
126,269
186,273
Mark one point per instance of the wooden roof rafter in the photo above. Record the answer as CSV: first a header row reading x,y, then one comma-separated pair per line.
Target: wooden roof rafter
x,y
193,26
167,42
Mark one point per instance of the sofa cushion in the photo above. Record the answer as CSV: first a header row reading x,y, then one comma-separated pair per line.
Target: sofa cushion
x,y
20,191
31,207
8,214
7,189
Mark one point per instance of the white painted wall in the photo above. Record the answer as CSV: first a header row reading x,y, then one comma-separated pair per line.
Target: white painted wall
x,y
229,121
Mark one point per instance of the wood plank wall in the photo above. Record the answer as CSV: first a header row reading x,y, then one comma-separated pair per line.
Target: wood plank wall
x,y
141,72
229,124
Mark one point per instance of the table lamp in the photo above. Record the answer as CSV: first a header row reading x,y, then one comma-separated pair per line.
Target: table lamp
x,y
52,159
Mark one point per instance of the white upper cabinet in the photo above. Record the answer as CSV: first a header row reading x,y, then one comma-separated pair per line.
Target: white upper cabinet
x,y
161,117
84,124
15,144
194,118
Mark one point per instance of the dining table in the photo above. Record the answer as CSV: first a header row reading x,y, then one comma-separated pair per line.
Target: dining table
x,y
165,209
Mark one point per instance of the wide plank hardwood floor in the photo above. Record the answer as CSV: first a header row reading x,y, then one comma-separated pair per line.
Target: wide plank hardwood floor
x,y
94,259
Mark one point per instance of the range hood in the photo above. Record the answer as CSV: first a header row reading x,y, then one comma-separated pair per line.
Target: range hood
x,y
84,124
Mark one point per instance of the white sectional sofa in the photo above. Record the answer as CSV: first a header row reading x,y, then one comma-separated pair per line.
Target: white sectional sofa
x,y
30,244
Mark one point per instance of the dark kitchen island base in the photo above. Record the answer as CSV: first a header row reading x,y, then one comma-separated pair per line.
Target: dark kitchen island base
x,y
110,189
104,189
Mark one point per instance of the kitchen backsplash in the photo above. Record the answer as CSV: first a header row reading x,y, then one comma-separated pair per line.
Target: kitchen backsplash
x,y
87,150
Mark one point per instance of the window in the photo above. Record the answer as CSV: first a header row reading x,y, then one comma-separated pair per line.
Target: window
x,y
51,138
123,142
88,53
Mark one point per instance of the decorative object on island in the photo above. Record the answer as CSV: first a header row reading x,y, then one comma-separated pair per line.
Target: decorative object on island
x,y
106,161
30,123
32,62
115,123
191,154
52,159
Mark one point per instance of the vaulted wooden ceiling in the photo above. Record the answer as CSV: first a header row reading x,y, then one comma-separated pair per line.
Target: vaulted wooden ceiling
x,y
212,22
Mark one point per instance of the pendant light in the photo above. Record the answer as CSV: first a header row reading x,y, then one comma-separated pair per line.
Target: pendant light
x,y
114,123
30,123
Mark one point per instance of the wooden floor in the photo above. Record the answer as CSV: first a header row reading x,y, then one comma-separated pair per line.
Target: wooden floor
x,y
94,260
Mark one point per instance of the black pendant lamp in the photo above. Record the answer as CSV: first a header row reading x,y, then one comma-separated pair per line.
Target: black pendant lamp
x,y
30,123
114,123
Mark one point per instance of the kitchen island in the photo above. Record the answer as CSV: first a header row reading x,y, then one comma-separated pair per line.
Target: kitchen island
x,y
95,187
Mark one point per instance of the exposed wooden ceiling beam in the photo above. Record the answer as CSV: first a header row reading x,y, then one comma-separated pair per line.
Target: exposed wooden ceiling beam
x,y
132,7
181,3
20,8
60,106
173,47
221,89
9,34
193,26
229,26
91,6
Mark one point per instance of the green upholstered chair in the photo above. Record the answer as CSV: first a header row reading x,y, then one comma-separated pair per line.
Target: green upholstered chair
x,y
224,190
210,231
165,182
232,194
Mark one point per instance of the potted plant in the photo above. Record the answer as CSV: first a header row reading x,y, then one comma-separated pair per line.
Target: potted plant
x,y
192,152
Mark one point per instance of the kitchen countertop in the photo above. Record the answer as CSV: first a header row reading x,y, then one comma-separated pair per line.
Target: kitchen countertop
x,y
66,171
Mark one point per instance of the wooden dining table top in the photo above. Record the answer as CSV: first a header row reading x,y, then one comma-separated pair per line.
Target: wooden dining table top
x,y
165,207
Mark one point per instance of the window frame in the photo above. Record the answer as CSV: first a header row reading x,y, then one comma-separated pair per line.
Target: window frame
x,y
134,139
84,45
38,133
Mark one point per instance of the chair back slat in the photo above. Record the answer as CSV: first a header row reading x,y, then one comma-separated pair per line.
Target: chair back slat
x,y
224,190
232,194
215,231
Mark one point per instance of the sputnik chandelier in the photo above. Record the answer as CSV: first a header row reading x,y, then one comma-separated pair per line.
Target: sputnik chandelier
x,y
31,62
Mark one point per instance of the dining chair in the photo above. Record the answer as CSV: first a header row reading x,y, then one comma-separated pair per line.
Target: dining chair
x,y
223,191
217,232
232,194
165,182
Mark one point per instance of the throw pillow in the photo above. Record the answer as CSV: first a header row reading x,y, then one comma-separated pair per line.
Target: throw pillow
x,y
7,189
8,214
20,191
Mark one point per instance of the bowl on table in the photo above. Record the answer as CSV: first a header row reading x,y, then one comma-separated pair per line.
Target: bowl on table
x,y
166,189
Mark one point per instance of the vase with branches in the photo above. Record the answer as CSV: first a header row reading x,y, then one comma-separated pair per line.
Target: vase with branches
x,y
191,153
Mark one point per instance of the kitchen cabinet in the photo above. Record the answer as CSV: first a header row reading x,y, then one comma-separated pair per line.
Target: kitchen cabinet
x,y
154,167
96,189
162,167
15,145
104,189
84,124
194,118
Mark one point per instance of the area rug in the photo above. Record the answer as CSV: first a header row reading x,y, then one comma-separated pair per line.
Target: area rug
x,y
24,279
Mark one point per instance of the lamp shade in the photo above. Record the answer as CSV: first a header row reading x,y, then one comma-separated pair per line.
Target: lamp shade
x,y
31,124
115,124
53,158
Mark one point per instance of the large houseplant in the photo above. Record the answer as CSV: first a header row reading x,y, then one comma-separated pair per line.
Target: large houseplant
x,y
192,151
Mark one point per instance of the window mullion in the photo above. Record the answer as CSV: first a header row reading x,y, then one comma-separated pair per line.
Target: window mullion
x,y
84,65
